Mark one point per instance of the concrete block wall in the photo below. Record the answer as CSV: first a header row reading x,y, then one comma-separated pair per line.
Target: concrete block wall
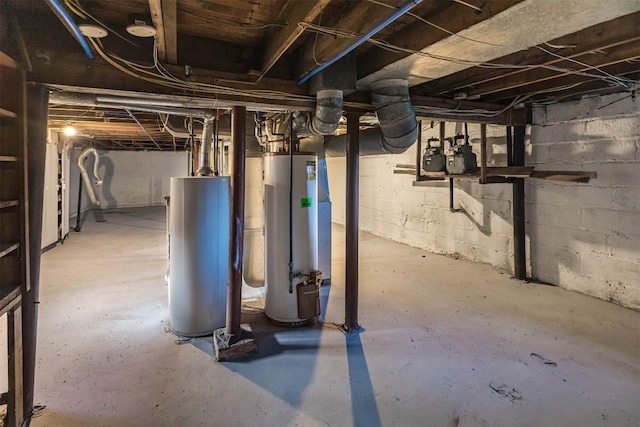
x,y
583,237
391,207
586,237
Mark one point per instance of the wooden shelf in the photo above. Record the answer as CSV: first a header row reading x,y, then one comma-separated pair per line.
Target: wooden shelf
x,y
8,203
9,297
502,174
8,159
7,248
6,114
566,176
7,61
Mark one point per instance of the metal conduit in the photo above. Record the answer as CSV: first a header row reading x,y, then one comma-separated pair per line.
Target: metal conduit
x,y
205,146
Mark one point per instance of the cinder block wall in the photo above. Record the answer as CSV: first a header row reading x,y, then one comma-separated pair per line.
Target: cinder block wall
x,y
586,237
580,236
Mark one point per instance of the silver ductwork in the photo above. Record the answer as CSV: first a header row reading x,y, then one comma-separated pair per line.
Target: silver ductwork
x,y
323,121
85,175
398,124
150,105
328,112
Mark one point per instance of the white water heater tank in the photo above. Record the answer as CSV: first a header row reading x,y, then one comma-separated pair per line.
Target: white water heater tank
x,y
199,254
281,305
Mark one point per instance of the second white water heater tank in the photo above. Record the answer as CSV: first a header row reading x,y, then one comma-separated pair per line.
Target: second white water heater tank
x,y
199,254
280,304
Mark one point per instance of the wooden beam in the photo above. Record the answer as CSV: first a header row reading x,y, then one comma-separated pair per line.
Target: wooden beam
x,y
448,15
570,83
567,176
170,24
72,70
294,13
597,37
500,116
361,18
358,100
155,6
619,53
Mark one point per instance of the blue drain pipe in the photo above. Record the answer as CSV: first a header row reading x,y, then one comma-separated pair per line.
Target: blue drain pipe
x,y
395,15
64,17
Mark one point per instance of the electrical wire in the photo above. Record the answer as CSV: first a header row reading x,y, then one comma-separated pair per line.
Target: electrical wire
x,y
420,18
172,81
393,48
75,7
620,81
231,23
164,78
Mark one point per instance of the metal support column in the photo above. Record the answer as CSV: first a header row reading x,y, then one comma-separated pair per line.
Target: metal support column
x,y
37,118
352,226
419,151
483,153
234,289
519,250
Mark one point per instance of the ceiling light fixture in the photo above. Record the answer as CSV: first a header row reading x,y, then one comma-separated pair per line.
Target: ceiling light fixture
x,y
140,26
93,31
69,130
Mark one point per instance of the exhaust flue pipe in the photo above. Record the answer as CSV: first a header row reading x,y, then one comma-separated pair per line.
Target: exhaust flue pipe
x,y
328,112
205,146
395,113
85,175
398,124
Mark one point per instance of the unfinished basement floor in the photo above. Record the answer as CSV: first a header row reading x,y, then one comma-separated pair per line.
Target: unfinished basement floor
x,y
447,343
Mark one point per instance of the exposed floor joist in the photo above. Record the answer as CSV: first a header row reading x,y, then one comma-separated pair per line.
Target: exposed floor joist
x,y
529,23
294,13
587,41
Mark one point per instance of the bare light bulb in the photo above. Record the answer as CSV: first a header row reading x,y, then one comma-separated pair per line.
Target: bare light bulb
x,y
69,131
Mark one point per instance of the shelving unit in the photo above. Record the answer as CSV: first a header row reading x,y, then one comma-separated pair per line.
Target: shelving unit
x,y
14,263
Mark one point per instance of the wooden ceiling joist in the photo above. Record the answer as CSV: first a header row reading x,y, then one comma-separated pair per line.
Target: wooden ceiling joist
x,y
603,36
450,16
524,80
294,13
164,14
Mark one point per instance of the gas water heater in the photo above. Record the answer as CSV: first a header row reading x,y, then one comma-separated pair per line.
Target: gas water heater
x,y
292,282
199,230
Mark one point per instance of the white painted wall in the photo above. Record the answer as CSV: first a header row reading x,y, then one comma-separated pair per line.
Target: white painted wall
x,y
130,178
50,194
586,237
583,237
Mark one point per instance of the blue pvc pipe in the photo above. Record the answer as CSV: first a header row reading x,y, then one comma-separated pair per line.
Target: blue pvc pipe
x,y
395,15
71,26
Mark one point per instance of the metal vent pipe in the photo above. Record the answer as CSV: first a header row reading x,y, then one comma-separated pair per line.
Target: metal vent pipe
x,y
205,146
328,112
395,113
398,124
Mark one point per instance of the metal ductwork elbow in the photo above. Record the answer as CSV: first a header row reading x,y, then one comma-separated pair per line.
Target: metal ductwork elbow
x,y
398,128
328,112
395,113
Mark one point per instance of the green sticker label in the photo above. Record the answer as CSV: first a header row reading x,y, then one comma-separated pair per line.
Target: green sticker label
x,y
305,202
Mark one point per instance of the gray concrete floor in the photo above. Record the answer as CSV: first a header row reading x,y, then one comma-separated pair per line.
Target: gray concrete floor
x,y
447,343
